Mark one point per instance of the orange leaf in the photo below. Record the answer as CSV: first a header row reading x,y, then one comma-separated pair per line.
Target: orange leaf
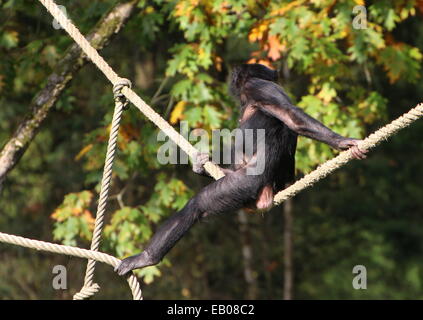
x,y
128,132
419,5
286,8
266,63
218,63
177,113
76,211
83,151
89,218
275,48
258,32
179,9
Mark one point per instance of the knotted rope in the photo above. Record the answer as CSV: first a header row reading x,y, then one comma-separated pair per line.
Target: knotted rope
x,y
90,288
73,251
92,53
210,167
321,172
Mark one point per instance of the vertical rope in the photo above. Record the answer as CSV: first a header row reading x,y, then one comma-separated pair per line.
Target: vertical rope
x,y
72,251
90,288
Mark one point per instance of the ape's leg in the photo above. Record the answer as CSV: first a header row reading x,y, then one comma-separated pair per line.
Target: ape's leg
x,y
265,196
164,239
232,192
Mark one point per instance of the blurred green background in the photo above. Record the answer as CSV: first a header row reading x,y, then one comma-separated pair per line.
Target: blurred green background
x,y
178,55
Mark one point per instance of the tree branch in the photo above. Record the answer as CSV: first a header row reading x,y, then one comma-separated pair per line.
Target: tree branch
x,y
72,61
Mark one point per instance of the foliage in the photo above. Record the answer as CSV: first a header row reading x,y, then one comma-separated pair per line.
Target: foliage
x,y
73,219
180,53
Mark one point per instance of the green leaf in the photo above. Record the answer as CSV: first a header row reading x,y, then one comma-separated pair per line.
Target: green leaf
x,y
194,116
148,274
212,117
9,39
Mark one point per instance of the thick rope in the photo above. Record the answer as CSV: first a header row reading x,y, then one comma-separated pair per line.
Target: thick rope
x,y
76,35
90,288
333,164
213,170
73,251
210,167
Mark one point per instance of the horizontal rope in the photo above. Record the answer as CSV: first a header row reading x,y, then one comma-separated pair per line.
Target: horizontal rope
x,y
72,251
210,167
90,288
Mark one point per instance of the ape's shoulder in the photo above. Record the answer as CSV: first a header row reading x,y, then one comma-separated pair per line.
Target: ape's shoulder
x,y
266,92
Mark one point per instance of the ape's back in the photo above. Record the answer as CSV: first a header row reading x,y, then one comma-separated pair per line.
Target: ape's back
x,y
278,147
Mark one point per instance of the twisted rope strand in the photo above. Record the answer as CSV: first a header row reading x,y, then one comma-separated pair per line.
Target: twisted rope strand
x,y
370,142
308,180
211,168
90,288
92,53
72,251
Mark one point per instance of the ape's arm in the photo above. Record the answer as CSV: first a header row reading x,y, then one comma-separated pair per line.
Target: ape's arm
x,y
271,99
303,124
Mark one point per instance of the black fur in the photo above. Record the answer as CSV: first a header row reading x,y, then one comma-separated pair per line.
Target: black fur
x,y
254,85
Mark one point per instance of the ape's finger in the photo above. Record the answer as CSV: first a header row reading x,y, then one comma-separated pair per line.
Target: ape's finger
x,y
357,153
201,158
354,153
204,157
362,153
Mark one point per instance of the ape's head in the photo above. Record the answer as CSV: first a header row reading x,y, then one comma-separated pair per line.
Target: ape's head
x,y
243,72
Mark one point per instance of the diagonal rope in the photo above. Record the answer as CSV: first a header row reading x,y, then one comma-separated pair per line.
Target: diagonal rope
x,y
210,167
90,288
370,142
72,251
321,172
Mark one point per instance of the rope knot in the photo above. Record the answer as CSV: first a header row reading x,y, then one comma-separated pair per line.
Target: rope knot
x,y
86,292
117,92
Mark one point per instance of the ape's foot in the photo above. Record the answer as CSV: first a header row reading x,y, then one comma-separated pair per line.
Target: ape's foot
x,y
135,262
265,198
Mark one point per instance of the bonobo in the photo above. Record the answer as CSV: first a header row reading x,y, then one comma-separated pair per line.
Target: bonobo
x,y
264,105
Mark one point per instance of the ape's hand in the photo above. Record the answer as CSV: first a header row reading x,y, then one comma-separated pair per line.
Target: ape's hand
x,y
199,160
352,144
